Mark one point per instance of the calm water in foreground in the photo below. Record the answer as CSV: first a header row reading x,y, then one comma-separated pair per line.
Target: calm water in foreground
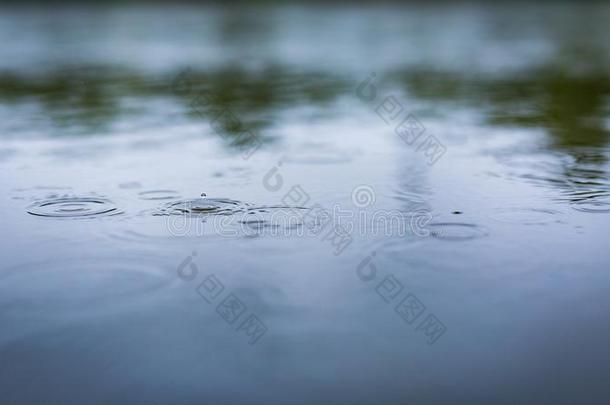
x,y
474,271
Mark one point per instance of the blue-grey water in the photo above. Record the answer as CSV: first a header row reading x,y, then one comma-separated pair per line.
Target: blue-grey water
x,y
465,259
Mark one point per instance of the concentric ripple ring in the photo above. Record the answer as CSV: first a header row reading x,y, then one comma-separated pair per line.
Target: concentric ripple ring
x,y
73,207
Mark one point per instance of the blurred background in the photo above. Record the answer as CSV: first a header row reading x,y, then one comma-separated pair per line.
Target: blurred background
x,y
478,132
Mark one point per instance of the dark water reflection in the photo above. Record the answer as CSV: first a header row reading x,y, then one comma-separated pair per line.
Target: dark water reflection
x,y
80,100
122,195
571,107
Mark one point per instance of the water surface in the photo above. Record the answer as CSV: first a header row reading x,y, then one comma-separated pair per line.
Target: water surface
x,y
110,133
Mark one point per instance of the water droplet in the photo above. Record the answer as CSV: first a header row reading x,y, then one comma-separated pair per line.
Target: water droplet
x,y
199,206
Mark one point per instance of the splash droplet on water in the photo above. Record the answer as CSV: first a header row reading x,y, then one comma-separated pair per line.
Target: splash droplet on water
x,y
199,206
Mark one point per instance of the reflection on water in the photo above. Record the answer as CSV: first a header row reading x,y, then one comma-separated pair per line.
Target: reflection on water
x,y
82,100
572,108
106,150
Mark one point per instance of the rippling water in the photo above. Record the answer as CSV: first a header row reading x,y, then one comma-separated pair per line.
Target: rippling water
x,y
413,202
